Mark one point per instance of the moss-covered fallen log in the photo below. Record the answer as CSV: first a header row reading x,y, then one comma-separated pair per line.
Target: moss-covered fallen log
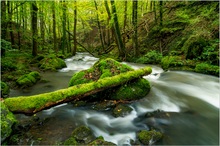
x,y
36,103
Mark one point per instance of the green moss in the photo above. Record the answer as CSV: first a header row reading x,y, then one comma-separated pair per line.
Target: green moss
x,y
28,80
70,141
52,63
6,122
207,69
147,137
83,135
32,104
5,90
131,91
78,78
100,141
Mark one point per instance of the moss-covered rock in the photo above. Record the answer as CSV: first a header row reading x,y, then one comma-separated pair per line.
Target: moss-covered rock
x,y
108,68
121,110
99,141
207,69
52,63
134,90
149,137
81,135
5,90
28,80
7,121
70,141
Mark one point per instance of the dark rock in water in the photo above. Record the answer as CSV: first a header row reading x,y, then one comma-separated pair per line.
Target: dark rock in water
x,y
121,110
149,137
7,121
104,105
83,135
132,90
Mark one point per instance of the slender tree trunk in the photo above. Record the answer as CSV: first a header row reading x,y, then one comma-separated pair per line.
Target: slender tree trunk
x,y
99,26
54,28
42,29
34,10
3,20
125,22
155,12
10,22
18,30
74,33
121,48
109,18
64,28
69,38
134,23
161,23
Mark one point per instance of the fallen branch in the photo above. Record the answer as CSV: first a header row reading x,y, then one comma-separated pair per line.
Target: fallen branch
x,y
36,103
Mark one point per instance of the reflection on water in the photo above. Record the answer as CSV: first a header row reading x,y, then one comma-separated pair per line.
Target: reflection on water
x,y
190,102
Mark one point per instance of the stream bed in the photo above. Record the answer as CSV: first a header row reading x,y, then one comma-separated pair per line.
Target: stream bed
x,y
189,100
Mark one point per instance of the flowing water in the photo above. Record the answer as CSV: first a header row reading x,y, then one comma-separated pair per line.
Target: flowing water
x,y
190,102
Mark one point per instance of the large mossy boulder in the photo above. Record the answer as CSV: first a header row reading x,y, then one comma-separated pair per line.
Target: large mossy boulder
x,y
149,137
52,63
5,90
28,80
107,68
7,121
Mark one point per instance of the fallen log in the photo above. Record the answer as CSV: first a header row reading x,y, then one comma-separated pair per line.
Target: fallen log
x,y
33,104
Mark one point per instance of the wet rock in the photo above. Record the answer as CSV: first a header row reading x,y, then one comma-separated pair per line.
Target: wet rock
x,y
52,63
28,80
5,90
104,105
107,68
149,137
70,141
101,142
83,135
7,121
121,110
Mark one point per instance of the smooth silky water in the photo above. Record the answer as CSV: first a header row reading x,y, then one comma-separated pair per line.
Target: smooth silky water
x,y
190,100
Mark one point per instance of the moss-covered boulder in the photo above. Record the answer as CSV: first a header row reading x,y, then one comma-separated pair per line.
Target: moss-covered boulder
x,y
52,63
149,137
108,68
7,121
80,136
99,141
171,62
28,80
121,110
5,90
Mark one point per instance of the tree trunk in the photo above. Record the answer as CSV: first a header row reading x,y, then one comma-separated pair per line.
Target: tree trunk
x,y
34,10
35,103
134,23
54,28
64,28
42,29
99,26
120,44
125,22
3,20
10,23
161,13
74,33
18,29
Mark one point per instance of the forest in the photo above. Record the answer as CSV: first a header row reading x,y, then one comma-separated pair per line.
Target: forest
x,y
39,38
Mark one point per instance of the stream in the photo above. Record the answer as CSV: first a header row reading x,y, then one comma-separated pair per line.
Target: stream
x,y
190,101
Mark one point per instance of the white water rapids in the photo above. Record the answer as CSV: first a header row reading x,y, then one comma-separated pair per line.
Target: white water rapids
x,y
175,92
